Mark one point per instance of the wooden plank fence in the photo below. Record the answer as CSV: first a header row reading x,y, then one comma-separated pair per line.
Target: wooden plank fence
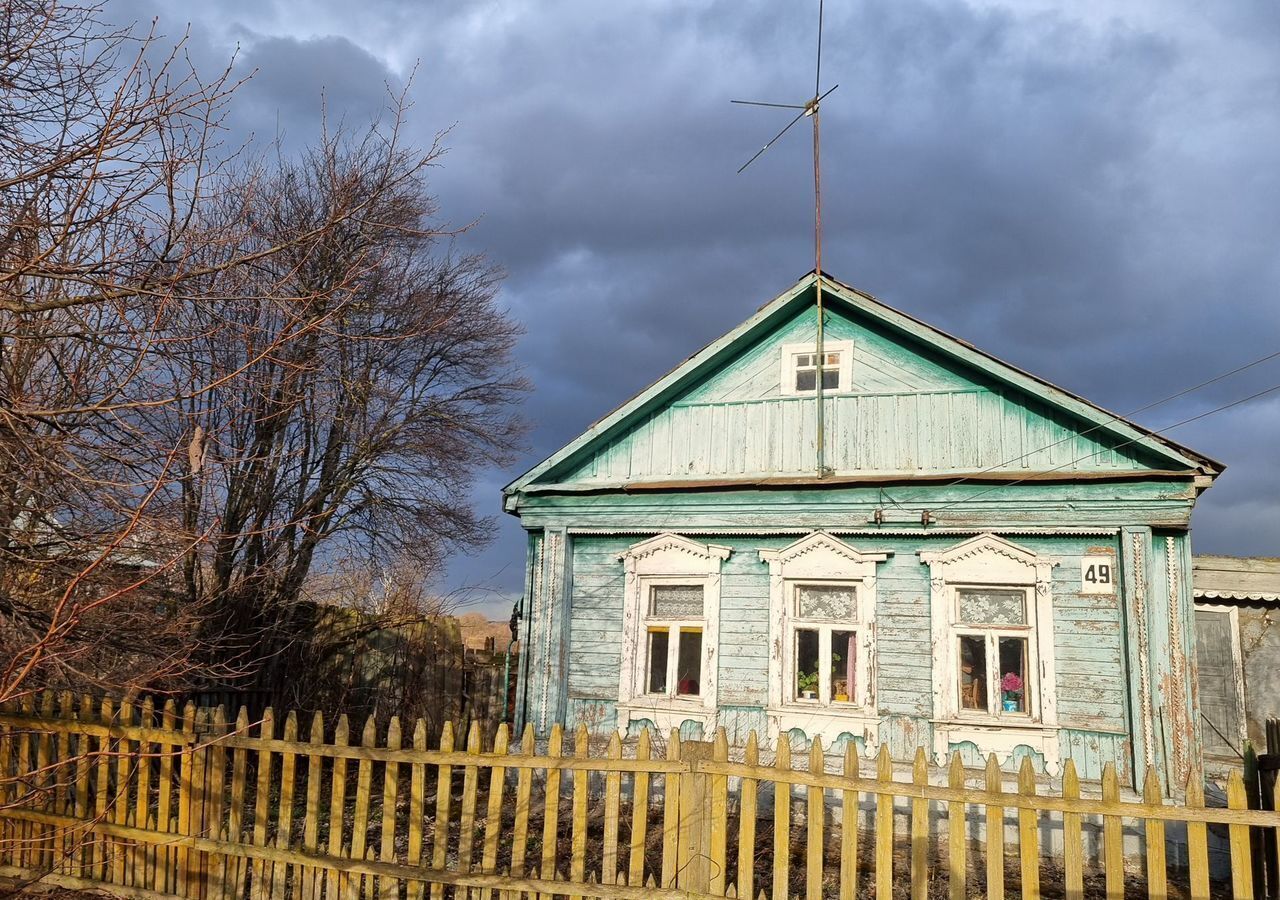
x,y
152,802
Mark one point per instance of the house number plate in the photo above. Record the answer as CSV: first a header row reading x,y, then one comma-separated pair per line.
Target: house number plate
x,y
1097,574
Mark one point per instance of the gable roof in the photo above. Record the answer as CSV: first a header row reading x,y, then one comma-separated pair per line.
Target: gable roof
x,y
704,362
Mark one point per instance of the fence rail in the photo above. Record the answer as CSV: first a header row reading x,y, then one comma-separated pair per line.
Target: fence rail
x,y
150,802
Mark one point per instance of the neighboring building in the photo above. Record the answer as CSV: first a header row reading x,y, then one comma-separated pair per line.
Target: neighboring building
x,y
974,527
1237,653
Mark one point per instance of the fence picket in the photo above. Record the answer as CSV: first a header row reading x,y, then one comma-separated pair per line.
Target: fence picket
x,y
920,830
261,810
884,828
670,814
520,827
335,881
957,812
21,788
44,783
1112,836
782,818
849,826
719,825
1072,847
387,887
8,828
995,832
551,808
1028,834
309,875
1241,863
1157,869
639,813
444,791
578,852
106,714
215,790
493,811
166,815
747,822
143,866
467,811
612,800
360,819
64,798
238,867
417,805
1197,840
815,810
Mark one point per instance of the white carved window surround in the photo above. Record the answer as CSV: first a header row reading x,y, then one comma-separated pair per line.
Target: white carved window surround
x,y
670,627
991,608
800,368
822,602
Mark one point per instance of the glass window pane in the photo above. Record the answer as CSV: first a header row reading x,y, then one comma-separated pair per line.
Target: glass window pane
x,y
803,359
656,683
833,359
830,379
689,664
676,601
825,601
806,664
844,657
987,606
1013,675
806,380
973,672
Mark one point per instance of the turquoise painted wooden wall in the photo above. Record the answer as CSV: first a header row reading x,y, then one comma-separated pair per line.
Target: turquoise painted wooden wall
x,y
906,413
1091,665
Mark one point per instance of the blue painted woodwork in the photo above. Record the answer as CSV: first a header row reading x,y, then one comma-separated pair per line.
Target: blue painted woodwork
x,y
716,452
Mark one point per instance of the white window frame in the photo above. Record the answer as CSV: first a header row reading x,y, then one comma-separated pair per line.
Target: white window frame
x,y
664,560
820,558
672,626
788,372
988,561
991,635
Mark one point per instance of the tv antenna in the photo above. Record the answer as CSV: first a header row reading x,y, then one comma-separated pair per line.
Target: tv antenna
x,y
811,110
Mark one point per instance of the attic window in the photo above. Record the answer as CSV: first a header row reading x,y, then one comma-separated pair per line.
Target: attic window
x,y
800,368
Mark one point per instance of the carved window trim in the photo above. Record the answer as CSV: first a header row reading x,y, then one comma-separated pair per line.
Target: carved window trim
x,y
668,559
993,562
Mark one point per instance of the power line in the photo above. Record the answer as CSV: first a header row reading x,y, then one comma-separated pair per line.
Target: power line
x,y
1198,416
1114,418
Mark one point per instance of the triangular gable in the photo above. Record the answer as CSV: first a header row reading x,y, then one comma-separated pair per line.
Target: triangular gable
x,y
701,368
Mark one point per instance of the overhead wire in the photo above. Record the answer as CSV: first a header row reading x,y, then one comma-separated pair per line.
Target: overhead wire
x,y
1114,418
1186,421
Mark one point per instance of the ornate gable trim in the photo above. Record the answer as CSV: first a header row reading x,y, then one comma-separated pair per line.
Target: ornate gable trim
x,y
671,554
820,550
995,557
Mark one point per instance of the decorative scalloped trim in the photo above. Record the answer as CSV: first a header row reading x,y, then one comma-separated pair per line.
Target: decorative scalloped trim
x,y
671,541
982,545
818,540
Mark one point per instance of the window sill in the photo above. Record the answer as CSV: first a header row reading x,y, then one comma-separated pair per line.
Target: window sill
x,y
999,736
666,713
828,722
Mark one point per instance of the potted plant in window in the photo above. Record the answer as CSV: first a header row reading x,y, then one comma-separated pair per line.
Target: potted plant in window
x,y
840,690
807,685
1011,686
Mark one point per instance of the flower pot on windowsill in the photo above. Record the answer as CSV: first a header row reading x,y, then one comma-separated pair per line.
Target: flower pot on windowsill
x,y
809,695
1011,704
842,698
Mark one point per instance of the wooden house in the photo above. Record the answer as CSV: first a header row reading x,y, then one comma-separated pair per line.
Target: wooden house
x,y
984,561
1237,653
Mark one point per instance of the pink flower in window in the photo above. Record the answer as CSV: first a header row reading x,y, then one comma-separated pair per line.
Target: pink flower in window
x,y
1011,683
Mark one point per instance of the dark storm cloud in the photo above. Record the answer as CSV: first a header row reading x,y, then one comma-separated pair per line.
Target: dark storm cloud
x,y
1089,193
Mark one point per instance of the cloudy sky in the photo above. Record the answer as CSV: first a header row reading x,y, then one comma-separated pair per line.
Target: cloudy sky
x,y
1090,190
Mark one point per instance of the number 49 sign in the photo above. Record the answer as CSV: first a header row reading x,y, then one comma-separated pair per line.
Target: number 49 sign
x,y
1097,574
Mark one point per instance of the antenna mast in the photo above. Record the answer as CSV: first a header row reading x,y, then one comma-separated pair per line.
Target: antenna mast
x,y
811,109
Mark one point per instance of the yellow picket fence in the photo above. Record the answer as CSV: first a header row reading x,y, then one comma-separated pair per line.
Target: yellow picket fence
x,y
153,802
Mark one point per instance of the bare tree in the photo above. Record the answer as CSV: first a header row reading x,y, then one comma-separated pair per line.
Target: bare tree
x,y
215,375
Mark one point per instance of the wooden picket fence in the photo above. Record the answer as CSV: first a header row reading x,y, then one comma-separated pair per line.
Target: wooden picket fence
x,y
154,802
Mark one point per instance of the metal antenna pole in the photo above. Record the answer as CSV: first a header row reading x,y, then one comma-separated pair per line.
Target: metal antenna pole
x,y
820,444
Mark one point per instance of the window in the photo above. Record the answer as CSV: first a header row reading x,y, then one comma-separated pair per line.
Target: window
x,y
670,622
992,634
822,601
824,643
673,628
800,368
991,606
